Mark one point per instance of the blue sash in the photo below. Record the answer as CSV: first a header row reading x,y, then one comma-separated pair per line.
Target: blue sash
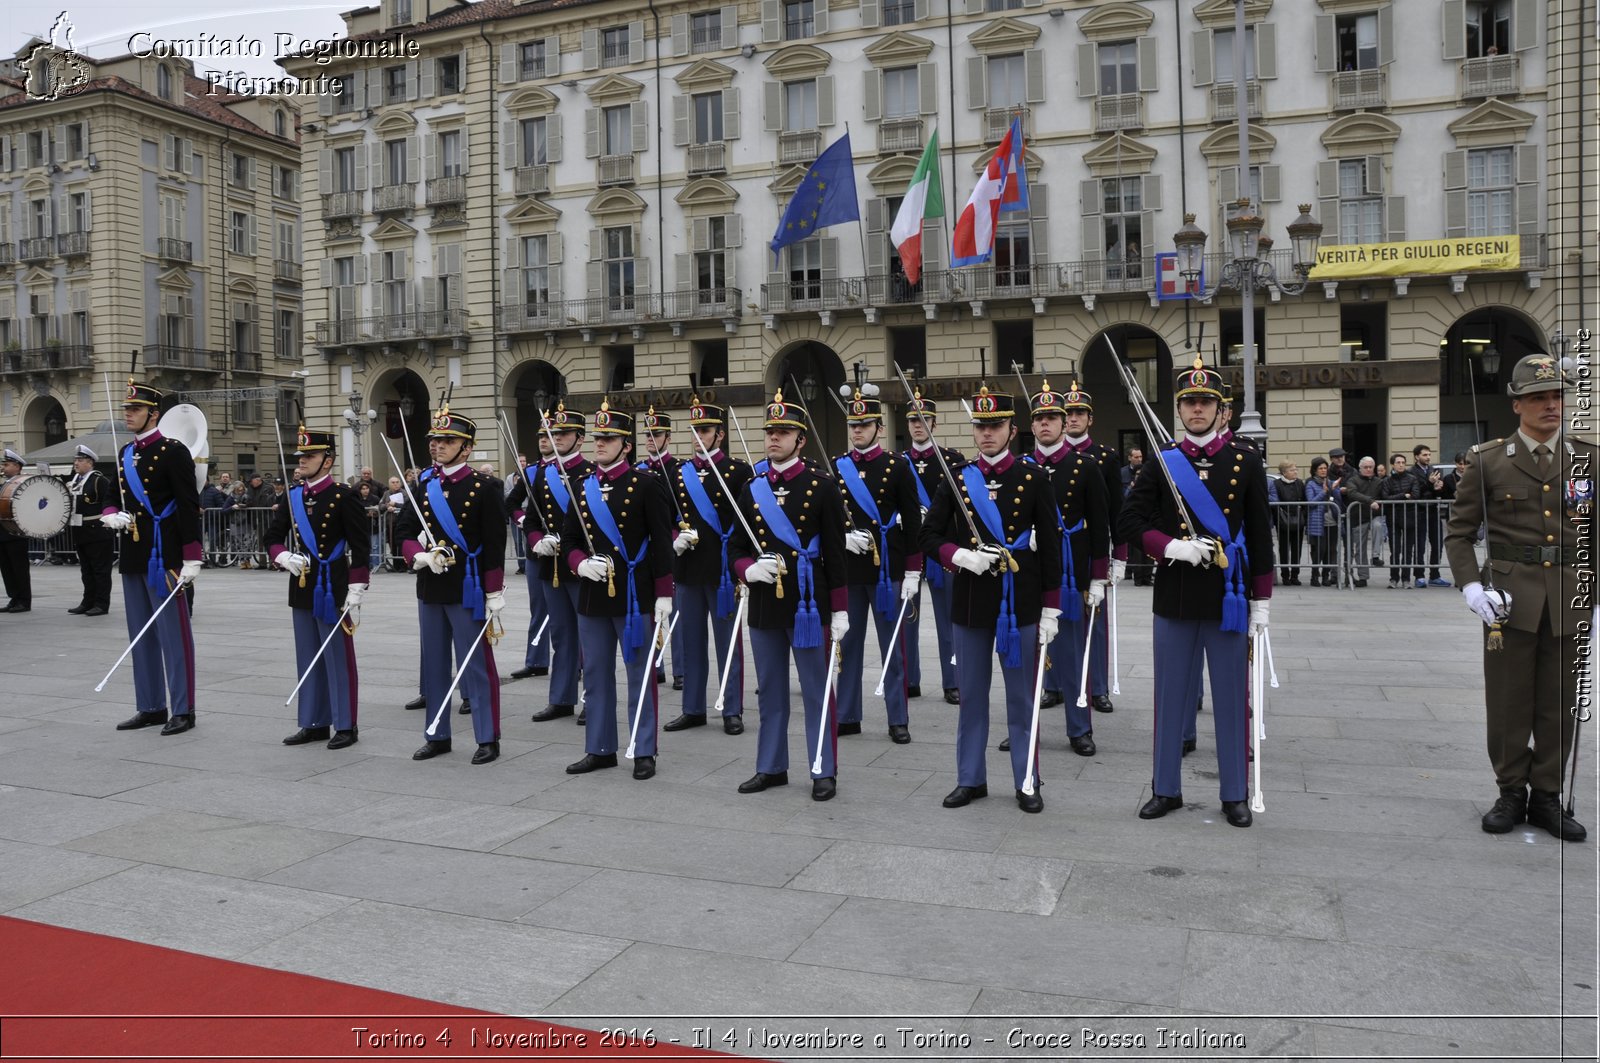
x,y
1007,640
323,606
1071,597
885,596
606,521
472,588
556,485
708,513
1235,607
807,621
932,571
155,574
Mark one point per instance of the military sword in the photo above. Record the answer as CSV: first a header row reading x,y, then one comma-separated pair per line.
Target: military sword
x,y
572,498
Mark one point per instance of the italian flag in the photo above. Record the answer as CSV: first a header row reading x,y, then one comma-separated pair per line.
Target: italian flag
x,y
924,199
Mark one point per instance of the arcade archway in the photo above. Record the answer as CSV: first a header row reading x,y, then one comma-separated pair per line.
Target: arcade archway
x,y
1116,422
1477,354
44,424
402,403
813,368
530,389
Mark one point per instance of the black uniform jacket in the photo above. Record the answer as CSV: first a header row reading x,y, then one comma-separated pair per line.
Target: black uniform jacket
x,y
337,516
1080,492
1111,474
639,505
544,516
166,469
1026,502
702,566
811,502
475,499
1235,476
894,489
97,496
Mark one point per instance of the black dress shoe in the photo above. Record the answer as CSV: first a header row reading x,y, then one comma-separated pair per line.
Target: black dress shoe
x,y
758,782
1188,746
81,607
733,725
849,728
19,607
96,610
592,762
1544,810
899,734
677,682
1238,812
823,789
965,795
644,767
552,712
417,702
522,673
143,719
308,734
1051,699
539,669
432,749
1033,802
582,718
1101,703
1005,744
1508,811
684,722
914,691
952,696
1083,745
344,739
179,724
466,707
486,752
1159,806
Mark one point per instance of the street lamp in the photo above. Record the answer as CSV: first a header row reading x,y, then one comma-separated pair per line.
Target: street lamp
x,y
354,415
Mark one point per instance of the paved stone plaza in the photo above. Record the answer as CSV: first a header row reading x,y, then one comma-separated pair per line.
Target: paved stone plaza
x,y
1364,914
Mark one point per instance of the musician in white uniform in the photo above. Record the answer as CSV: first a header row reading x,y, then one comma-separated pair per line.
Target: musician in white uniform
x,y
14,549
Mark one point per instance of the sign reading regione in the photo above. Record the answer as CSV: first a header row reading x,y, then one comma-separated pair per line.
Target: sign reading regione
x,y
1465,255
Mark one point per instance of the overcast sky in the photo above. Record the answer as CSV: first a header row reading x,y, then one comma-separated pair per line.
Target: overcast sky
x,y
102,28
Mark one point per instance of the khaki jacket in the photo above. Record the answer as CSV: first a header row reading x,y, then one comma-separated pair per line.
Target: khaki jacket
x,y
1527,509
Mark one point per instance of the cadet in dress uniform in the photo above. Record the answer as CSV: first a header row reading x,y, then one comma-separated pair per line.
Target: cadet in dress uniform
x,y
459,553
14,566
1007,590
526,516
160,550
795,576
323,539
883,566
659,461
1082,508
92,493
625,590
1539,485
1201,606
921,420
1079,412
703,573
551,503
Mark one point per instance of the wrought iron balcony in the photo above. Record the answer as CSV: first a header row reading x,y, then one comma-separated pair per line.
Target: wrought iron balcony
x,y
630,308
247,361
73,244
36,248
532,180
799,146
1360,90
391,198
694,304
899,134
708,158
8,254
284,270
175,250
1225,108
446,190
705,39
341,205
1124,111
49,358
391,328
833,293
996,120
538,315
615,170
1492,75
167,356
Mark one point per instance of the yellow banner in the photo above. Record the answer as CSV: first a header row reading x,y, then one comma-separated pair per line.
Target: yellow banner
x,y
1468,255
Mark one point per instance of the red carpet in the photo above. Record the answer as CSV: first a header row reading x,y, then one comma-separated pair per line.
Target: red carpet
x,y
67,994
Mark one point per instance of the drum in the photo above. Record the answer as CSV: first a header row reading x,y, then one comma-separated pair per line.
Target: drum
x,y
35,506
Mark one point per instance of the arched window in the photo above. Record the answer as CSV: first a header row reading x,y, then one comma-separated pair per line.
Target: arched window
x,y
280,125
163,83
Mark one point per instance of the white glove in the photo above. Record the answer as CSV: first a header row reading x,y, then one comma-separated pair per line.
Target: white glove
x,y
1097,593
1033,543
1492,606
354,595
522,522
979,562
910,586
763,569
839,626
1196,552
433,560
663,612
549,546
687,540
1258,615
494,603
116,521
858,542
594,568
1049,625
189,572
1119,570
294,564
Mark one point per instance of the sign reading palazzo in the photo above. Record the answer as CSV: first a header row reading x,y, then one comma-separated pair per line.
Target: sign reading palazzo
x,y
1468,255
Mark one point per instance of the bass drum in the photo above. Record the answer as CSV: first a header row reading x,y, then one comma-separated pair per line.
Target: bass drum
x,y
35,506
187,425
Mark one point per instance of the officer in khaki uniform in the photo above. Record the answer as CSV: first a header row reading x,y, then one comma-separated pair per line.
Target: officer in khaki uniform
x,y
1535,492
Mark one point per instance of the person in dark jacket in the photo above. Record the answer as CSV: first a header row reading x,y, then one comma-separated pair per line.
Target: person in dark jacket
x,y
1398,493
1359,494
1290,519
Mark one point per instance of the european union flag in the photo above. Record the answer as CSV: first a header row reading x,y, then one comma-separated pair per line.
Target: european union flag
x,y
826,196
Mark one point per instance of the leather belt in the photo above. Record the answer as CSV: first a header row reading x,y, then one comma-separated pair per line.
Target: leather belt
x,y
1534,555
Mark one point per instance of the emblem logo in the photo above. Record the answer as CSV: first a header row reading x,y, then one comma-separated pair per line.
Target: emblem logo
x,y
775,411
602,419
441,422
697,413
986,404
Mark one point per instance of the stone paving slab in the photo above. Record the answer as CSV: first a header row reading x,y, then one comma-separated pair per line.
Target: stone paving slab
x,y
32,872
213,844
902,873
432,821
45,817
1244,902
80,773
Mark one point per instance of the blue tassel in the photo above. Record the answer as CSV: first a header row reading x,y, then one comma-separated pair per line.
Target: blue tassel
x,y
154,575
1071,604
884,599
632,636
1008,642
724,595
807,627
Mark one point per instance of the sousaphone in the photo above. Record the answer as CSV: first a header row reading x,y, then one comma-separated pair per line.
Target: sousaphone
x,y
187,425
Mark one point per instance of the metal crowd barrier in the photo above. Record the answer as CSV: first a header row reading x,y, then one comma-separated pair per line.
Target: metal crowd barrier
x,y
1403,540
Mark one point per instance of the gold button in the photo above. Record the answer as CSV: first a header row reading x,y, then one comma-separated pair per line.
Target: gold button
x,y
1182,526
1549,538
1547,487
1547,564
1233,483
1230,498
1547,512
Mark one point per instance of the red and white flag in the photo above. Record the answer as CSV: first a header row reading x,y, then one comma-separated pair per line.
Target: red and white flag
x,y
1003,186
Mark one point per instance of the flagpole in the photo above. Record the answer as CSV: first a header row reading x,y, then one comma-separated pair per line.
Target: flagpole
x,y
861,230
